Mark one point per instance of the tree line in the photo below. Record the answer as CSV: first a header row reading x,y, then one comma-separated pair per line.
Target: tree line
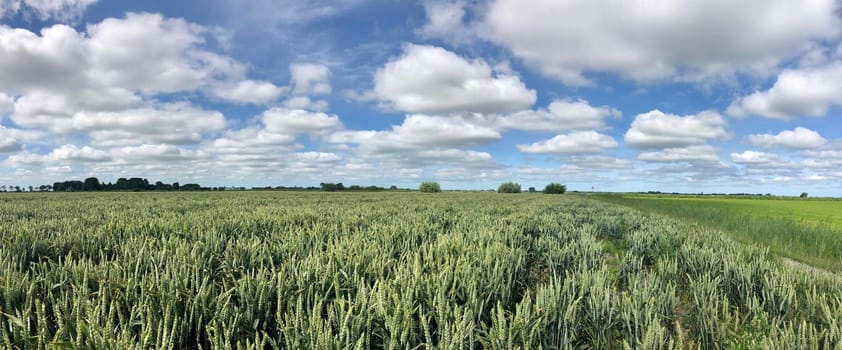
x,y
92,184
506,187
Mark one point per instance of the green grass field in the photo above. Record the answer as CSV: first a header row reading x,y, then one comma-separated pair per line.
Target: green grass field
x,y
807,230
273,270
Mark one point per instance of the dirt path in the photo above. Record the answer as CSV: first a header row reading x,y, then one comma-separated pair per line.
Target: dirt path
x,y
808,268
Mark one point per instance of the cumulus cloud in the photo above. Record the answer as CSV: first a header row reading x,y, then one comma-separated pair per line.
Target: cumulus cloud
x,y
429,79
646,41
11,139
798,138
8,144
153,153
310,79
271,146
567,114
575,142
695,153
117,64
64,153
297,121
419,131
304,102
7,104
753,157
248,91
175,123
251,141
57,10
445,22
78,154
656,129
797,92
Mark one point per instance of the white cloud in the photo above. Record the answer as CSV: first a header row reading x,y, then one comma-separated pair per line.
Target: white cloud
x,y
310,79
58,10
429,79
445,21
118,64
24,159
575,142
297,121
11,139
269,146
798,138
153,54
8,144
645,40
419,131
655,129
248,91
797,92
561,115
251,141
78,154
282,13
754,157
176,123
304,102
7,104
153,154
695,153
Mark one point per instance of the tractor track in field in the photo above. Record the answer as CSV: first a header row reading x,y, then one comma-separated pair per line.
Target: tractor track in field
x,y
807,267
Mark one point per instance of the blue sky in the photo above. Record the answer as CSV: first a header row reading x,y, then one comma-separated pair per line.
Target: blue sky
x,y
682,95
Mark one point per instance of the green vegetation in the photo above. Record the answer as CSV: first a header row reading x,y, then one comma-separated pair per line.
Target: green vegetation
x,y
509,187
555,188
429,187
389,270
809,231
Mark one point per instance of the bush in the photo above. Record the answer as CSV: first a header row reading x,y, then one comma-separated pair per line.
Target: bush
x,y
509,187
555,188
429,187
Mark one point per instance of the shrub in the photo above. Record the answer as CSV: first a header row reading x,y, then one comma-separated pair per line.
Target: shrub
x,y
509,187
555,188
429,187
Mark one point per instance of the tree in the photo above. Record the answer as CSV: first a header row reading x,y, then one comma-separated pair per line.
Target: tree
x,y
328,186
91,184
137,184
509,187
555,188
532,190
803,194
429,187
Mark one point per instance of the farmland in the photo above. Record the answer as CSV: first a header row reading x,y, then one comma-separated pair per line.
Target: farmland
x,y
390,270
807,230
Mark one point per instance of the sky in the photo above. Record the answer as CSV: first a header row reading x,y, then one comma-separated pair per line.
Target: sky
x,y
606,95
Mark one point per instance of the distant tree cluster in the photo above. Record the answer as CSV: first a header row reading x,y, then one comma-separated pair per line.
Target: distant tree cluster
x,y
509,187
555,188
429,187
131,184
333,187
514,187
